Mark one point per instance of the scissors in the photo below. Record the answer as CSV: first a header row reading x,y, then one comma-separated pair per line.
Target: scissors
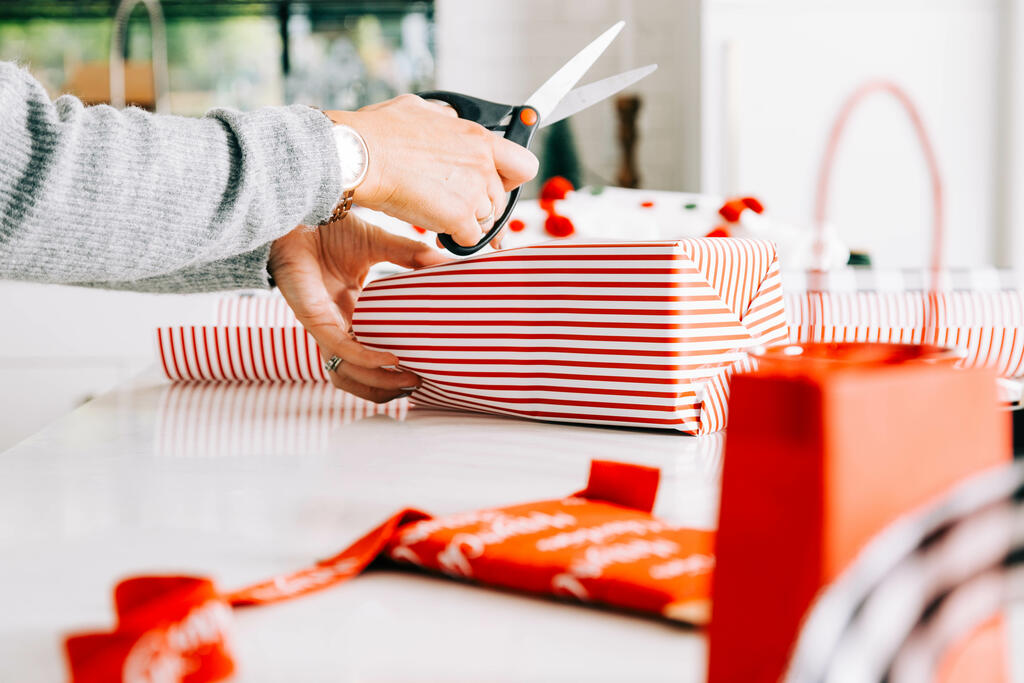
x,y
552,102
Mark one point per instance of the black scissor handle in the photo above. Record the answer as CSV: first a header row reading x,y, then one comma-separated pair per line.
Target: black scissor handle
x,y
522,123
488,114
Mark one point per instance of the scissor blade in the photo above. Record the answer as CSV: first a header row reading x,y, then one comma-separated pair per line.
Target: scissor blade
x,y
555,88
592,93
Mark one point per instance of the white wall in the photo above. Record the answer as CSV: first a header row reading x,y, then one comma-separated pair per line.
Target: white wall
x,y
1010,142
794,61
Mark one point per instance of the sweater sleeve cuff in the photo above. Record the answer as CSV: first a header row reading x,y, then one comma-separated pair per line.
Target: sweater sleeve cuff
x,y
329,192
245,271
299,142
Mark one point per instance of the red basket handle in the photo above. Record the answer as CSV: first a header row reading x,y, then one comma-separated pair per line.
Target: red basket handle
x,y
825,175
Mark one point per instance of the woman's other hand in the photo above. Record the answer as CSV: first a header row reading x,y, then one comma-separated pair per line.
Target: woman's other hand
x,y
320,273
432,169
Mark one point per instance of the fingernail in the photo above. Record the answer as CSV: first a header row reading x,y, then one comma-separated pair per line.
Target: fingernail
x,y
405,395
392,368
409,389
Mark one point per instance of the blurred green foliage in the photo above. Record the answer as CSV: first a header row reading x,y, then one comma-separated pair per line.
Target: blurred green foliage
x,y
46,46
235,61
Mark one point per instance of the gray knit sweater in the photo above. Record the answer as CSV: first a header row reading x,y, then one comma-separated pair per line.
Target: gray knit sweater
x,y
130,200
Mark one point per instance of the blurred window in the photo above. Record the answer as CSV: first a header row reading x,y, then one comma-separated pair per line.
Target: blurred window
x,y
231,53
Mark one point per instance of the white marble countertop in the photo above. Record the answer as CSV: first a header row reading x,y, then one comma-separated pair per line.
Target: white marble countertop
x,y
243,482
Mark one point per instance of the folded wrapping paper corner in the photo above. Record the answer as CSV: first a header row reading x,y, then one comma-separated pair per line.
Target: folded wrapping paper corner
x,y
600,545
634,333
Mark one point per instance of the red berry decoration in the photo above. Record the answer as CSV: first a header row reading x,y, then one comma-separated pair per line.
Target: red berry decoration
x,y
720,231
732,209
556,187
420,230
648,204
559,226
754,204
516,225
547,205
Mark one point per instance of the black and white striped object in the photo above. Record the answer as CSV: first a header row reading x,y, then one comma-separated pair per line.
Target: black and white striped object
x,y
918,587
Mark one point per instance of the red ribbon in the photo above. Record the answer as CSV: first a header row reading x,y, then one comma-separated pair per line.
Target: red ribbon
x,y
176,629
169,629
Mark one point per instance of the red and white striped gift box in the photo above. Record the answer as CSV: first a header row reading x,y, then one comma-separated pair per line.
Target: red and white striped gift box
x,y
640,334
981,311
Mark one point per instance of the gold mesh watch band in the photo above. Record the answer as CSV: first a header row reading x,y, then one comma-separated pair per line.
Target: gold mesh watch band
x,y
342,209
345,205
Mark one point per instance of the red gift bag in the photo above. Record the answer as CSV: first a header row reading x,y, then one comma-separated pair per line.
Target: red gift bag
x,y
829,444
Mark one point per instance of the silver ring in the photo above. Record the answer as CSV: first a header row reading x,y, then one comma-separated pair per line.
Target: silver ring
x,y
332,364
488,218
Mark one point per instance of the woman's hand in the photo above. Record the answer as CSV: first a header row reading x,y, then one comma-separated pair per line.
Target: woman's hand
x,y
320,273
432,169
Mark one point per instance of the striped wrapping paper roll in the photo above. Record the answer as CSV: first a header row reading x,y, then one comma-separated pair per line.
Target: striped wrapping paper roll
x,y
232,353
640,334
980,312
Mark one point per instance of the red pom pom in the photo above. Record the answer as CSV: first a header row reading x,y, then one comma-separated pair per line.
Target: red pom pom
x,y
754,204
420,230
720,231
648,204
516,225
559,226
732,209
556,187
547,206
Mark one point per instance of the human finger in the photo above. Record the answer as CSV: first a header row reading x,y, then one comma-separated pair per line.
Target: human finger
x,y
463,220
500,237
405,252
379,378
485,212
496,193
375,394
443,107
325,322
354,354
514,163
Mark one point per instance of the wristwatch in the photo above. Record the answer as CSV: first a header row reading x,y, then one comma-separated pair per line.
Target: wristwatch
x,y
354,158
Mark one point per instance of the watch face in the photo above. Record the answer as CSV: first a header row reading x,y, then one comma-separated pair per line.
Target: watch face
x,y
353,156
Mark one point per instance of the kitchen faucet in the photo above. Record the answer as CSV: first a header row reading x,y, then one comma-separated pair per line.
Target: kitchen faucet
x,y
159,52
